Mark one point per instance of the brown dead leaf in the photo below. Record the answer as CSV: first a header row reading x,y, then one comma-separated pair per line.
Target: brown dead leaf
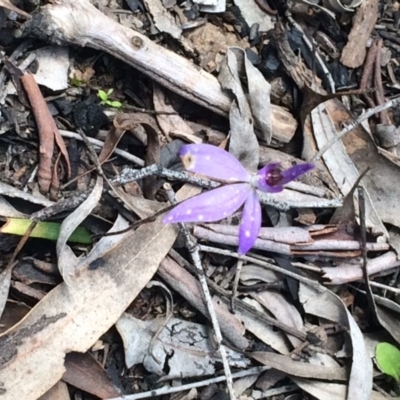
x,y
12,314
84,372
58,392
243,143
128,122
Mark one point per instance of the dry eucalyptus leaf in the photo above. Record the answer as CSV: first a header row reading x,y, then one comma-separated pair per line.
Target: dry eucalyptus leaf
x,y
185,346
323,303
243,142
5,281
281,309
342,167
10,191
72,318
299,368
66,258
340,7
53,62
253,14
388,314
7,210
382,182
266,333
163,19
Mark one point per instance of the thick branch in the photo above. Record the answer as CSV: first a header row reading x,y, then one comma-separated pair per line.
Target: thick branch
x,y
80,23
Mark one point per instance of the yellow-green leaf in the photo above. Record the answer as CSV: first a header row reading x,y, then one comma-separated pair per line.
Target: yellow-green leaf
x,y
44,230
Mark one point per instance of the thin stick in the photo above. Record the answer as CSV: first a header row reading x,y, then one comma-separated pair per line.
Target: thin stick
x,y
92,153
384,287
195,255
207,382
129,175
363,229
368,113
379,93
258,262
236,284
100,144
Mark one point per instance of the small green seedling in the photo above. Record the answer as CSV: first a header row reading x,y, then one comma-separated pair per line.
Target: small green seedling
x,y
76,82
388,359
105,99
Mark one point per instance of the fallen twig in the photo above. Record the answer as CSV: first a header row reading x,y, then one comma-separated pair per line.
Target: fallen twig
x,y
367,114
98,143
282,201
195,255
207,382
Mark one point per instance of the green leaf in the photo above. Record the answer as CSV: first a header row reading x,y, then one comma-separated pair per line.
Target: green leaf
x,y
103,95
388,359
44,230
109,91
76,82
115,104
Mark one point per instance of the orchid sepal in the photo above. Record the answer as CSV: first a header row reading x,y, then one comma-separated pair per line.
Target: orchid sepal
x,y
213,162
210,206
251,223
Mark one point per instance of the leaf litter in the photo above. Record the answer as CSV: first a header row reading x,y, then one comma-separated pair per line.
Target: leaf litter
x,y
295,318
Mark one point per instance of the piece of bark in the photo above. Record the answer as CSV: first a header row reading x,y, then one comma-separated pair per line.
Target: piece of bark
x,y
231,238
80,23
344,272
354,52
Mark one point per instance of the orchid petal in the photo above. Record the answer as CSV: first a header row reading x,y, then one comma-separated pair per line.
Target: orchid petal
x,y
213,162
251,223
271,180
211,206
294,172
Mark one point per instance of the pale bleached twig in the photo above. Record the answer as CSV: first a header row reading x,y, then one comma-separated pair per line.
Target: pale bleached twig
x,y
100,144
367,114
384,287
257,261
129,175
344,273
236,283
207,382
195,255
228,234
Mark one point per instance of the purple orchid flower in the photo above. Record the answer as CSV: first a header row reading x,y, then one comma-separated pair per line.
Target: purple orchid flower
x,y
223,201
